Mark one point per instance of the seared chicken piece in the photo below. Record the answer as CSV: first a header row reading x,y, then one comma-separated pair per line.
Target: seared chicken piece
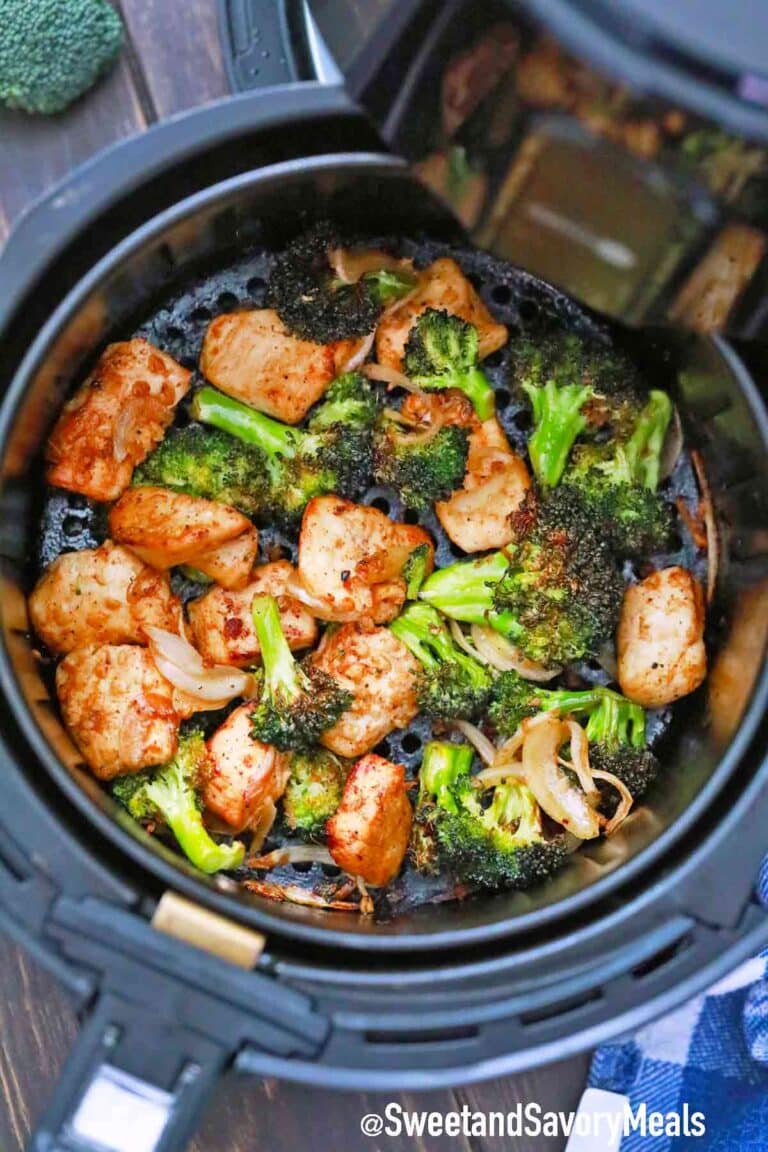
x,y
351,559
102,595
477,516
253,357
443,286
380,672
117,707
369,832
168,528
245,775
115,419
660,640
222,625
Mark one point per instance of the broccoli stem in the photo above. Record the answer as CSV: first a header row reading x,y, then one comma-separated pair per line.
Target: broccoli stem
x,y
644,447
441,766
464,591
177,803
557,414
282,675
246,423
472,382
616,721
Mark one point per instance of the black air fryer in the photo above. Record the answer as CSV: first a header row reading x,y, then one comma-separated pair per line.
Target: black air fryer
x,y
179,976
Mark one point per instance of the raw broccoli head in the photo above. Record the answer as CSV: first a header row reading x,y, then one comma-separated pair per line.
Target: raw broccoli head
x,y
52,51
612,718
422,466
443,352
316,306
562,588
451,685
169,795
313,791
333,453
205,462
298,702
572,385
617,478
501,844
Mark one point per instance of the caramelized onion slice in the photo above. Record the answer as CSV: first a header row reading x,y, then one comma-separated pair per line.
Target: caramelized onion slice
x,y
497,651
183,666
390,376
477,739
292,854
557,795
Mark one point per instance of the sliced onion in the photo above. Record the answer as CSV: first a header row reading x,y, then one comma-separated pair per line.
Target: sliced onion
x,y
463,642
580,759
124,427
500,654
262,824
414,432
293,854
321,608
625,804
361,355
389,376
295,894
366,900
349,264
561,799
672,447
183,666
477,739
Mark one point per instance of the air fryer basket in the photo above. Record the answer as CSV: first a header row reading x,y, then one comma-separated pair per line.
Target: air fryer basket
x,y
232,225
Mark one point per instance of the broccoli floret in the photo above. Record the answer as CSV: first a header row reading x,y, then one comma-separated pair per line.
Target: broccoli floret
x,y
313,791
618,479
297,702
421,466
317,306
205,462
415,570
571,385
555,592
451,685
332,454
443,352
612,719
635,767
496,845
169,795
53,51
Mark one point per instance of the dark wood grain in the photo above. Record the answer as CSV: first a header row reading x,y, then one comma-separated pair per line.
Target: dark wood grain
x,y
172,61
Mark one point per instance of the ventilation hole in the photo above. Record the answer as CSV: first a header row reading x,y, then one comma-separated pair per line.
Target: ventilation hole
x,y
201,315
330,871
77,501
502,398
528,310
255,286
661,959
501,294
382,504
561,1008
459,553
410,516
302,867
427,1036
385,749
174,333
227,301
410,743
675,542
523,420
495,360
72,526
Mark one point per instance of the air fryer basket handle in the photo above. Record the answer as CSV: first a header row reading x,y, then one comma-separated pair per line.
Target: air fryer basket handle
x,y
135,1082
257,45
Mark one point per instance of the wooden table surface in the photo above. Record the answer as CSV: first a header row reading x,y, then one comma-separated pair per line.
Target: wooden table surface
x,y
169,64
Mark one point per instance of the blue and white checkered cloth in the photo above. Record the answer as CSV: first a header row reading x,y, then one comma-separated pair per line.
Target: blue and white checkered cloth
x,y
712,1054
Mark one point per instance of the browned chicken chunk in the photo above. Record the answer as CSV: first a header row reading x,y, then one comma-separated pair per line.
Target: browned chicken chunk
x,y
443,286
380,673
253,357
168,528
117,707
245,775
102,595
351,559
115,419
476,517
660,641
369,832
222,625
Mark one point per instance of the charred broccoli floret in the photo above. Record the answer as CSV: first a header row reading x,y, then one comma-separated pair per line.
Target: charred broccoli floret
x,y
313,791
635,767
297,702
451,685
332,454
571,384
169,796
443,351
555,592
421,466
617,720
618,479
497,845
205,462
415,570
312,302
